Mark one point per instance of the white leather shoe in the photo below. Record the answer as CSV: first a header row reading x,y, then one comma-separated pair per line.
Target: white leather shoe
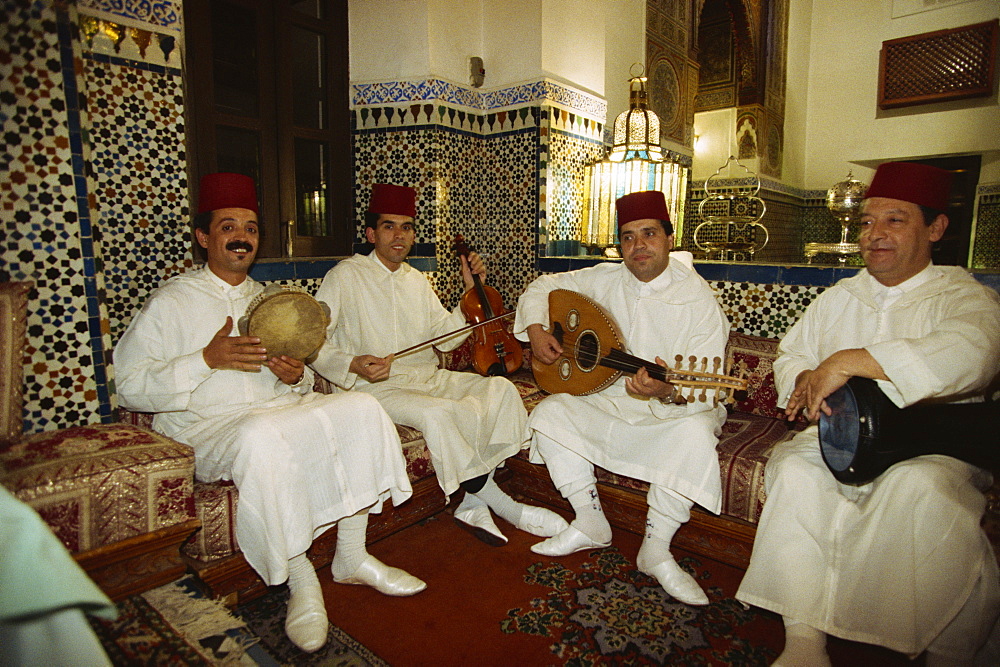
x,y
567,542
541,522
677,583
306,623
383,578
479,521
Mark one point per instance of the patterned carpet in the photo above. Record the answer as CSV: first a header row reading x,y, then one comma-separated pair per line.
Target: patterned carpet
x,y
609,611
483,606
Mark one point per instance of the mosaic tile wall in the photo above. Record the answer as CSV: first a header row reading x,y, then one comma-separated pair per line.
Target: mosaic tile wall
x,y
482,187
46,225
986,247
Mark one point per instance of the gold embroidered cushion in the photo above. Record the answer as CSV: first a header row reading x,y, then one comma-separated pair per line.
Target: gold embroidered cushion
x,y
96,485
13,313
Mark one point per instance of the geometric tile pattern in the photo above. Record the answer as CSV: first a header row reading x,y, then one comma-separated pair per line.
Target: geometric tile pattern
x,y
986,248
163,14
445,92
138,180
568,154
43,201
762,309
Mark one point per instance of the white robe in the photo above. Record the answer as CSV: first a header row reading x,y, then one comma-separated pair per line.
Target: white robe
x,y
666,445
471,423
300,460
890,562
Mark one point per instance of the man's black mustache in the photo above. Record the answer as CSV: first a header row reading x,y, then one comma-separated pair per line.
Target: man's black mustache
x,y
239,245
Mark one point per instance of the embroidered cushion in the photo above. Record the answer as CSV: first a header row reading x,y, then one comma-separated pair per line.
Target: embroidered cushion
x,y
95,485
13,313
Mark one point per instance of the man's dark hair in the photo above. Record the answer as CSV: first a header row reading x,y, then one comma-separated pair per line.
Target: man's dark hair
x,y
930,214
203,221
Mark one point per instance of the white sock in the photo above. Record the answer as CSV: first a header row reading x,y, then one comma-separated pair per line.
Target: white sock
x,y
506,507
805,646
352,532
301,574
590,519
655,547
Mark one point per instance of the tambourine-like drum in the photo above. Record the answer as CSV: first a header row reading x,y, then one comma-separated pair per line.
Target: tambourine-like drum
x,y
866,433
288,322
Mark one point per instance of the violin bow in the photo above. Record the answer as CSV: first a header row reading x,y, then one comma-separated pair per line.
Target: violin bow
x,y
420,346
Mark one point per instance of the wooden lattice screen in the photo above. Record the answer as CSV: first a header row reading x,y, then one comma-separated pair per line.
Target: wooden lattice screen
x,y
937,66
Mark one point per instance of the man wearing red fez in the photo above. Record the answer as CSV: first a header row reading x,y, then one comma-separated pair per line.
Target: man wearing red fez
x,y
254,419
472,424
663,309
900,561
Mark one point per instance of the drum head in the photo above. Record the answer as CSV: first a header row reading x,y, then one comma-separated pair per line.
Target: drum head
x,y
289,323
839,433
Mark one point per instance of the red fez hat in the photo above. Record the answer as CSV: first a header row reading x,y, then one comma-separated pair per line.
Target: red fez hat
x,y
919,184
393,200
642,205
226,191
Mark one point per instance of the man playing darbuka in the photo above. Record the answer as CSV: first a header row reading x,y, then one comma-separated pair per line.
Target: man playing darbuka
x,y
901,561
302,461
380,305
663,308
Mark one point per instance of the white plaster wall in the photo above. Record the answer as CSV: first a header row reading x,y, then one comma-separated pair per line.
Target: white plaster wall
x,y
389,39
455,35
796,146
843,124
715,141
573,42
624,44
512,42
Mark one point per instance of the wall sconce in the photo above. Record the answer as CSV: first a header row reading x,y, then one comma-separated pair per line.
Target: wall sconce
x,y
635,163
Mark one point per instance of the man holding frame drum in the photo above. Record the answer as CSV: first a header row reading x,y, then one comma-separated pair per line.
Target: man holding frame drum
x,y
302,461
900,561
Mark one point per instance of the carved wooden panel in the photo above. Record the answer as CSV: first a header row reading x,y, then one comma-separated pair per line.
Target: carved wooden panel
x,y
938,66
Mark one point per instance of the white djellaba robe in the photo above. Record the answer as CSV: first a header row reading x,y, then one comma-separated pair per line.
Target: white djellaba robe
x,y
301,460
666,445
890,562
471,423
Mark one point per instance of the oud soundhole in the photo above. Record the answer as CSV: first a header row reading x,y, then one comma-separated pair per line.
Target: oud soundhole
x,y
565,369
587,349
573,320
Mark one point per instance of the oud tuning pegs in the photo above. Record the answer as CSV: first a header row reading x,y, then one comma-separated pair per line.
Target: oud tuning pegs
x,y
679,362
716,363
692,360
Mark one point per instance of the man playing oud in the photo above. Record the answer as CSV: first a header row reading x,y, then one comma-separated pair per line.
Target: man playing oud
x,y
663,308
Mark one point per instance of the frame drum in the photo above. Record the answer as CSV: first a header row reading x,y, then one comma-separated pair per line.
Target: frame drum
x,y
288,322
866,433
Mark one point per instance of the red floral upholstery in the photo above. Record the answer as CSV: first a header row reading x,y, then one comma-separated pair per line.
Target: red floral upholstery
x,y
96,485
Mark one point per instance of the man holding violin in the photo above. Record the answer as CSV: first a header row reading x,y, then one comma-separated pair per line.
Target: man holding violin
x,y
900,561
381,305
663,308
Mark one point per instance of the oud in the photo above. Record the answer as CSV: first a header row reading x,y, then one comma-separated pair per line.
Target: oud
x,y
593,357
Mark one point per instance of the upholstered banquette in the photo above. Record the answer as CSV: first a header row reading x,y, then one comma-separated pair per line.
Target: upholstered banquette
x,y
118,496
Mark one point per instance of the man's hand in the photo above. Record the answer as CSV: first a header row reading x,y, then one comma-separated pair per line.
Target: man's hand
x,y
236,353
544,345
370,367
644,384
287,369
812,387
472,265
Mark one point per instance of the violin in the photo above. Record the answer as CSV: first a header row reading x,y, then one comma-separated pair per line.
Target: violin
x,y
495,351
